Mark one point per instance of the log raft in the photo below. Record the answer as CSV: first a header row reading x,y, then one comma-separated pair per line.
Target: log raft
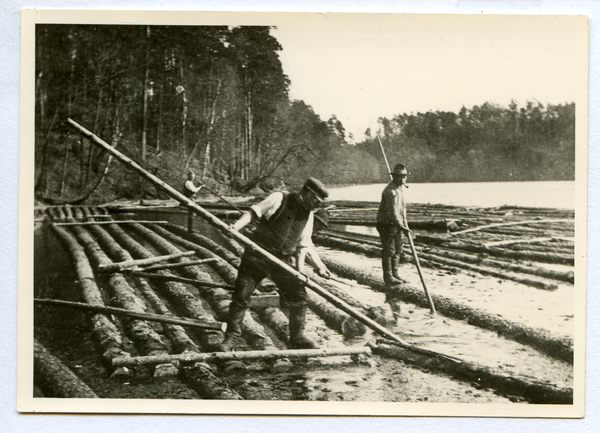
x,y
219,273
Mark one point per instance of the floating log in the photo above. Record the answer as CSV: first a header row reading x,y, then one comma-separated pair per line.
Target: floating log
x,y
250,355
514,223
89,223
127,313
54,378
517,241
479,260
556,347
564,259
115,267
533,391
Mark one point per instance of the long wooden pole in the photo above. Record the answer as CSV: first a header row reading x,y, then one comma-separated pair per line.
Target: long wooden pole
x,y
211,219
410,241
224,199
239,356
116,267
218,326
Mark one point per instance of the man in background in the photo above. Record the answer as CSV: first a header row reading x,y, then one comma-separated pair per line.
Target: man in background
x,y
189,187
391,223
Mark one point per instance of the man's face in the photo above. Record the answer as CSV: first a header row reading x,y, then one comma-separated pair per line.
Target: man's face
x,y
399,179
312,200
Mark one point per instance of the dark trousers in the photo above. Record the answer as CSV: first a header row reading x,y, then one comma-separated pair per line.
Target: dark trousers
x,y
254,268
391,240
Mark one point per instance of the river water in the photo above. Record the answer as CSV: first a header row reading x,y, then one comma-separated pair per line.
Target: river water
x,y
559,194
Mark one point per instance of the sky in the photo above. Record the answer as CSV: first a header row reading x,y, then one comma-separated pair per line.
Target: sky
x,y
365,66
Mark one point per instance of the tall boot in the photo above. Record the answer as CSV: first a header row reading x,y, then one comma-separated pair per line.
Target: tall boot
x,y
233,335
388,278
395,264
299,340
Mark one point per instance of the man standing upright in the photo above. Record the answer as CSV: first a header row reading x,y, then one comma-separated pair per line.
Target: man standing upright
x,y
285,224
391,222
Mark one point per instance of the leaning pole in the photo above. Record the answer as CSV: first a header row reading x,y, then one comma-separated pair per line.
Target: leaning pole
x,y
194,207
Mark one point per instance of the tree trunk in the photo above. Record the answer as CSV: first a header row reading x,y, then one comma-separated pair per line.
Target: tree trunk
x,y
54,378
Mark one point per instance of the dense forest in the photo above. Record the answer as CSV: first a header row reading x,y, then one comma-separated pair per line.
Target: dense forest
x,y
214,99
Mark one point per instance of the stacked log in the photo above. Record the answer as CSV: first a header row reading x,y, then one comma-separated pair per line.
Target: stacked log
x,y
104,332
177,294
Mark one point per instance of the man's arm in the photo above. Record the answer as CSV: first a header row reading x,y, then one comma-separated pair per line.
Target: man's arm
x,y
312,256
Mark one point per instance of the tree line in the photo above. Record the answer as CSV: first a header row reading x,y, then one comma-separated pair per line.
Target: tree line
x,y
215,99
484,143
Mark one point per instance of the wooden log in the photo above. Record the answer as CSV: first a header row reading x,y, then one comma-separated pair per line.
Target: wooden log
x,y
89,223
563,259
532,390
128,313
54,378
514,223
201,379
250,355
336,319
516,241
115,267
556,347
179,339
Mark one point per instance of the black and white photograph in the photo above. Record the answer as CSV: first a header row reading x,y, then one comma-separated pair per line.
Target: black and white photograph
x,y
303,214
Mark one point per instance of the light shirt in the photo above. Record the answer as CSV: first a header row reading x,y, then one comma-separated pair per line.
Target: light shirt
x,y
269,206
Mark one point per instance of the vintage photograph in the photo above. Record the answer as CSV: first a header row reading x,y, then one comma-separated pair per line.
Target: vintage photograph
x,y
340,214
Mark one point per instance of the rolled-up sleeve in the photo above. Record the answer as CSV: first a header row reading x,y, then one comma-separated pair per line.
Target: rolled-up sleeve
x,y
268,206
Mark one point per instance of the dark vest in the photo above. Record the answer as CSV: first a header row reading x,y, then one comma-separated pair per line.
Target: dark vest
x,y
278,233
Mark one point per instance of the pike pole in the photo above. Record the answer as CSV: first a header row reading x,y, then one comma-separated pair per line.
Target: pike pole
x,y
410,239
217,223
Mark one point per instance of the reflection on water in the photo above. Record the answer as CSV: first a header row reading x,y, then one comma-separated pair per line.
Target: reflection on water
x,y
485,194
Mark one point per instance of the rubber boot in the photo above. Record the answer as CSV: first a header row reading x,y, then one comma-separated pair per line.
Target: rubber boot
x,y
299,340
388,278
395,264
233,335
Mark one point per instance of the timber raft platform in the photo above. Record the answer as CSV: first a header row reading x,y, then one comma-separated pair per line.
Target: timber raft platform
x,y
154,260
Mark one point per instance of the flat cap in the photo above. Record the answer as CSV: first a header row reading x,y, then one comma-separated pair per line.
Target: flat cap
x,y
316,186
